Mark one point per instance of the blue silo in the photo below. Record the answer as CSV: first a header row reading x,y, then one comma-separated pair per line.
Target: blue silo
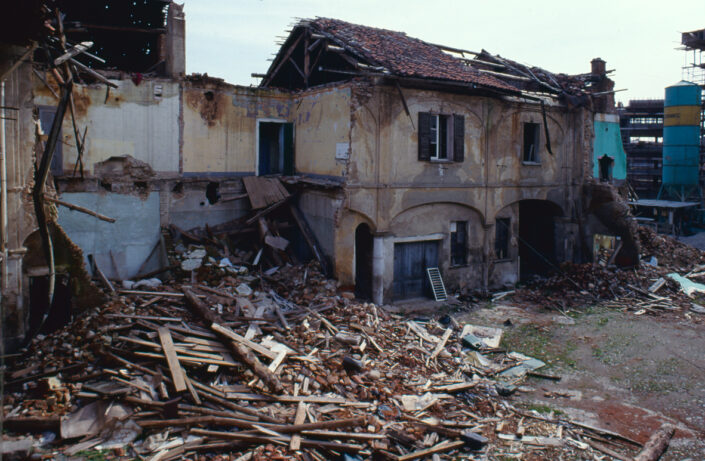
x,y
681,139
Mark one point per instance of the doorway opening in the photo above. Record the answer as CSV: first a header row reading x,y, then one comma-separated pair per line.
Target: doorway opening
x,y
363,262
410,263
606,164
276,148
537,238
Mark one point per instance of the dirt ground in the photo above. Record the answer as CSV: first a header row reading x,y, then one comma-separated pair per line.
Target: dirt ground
x,y
621,372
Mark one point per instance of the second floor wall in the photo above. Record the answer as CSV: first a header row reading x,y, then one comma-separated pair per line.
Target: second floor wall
x,y
472,141
359,133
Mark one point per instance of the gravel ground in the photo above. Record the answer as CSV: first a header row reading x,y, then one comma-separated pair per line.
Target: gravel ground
x,y
695,240
619,371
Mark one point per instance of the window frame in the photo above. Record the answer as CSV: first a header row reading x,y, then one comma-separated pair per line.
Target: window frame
x,y
441,137
535,158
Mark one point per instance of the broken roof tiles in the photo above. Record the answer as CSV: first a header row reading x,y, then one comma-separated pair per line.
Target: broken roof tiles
x,y
402,55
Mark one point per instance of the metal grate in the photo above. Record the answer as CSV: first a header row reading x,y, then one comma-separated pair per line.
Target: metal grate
x,y
439,289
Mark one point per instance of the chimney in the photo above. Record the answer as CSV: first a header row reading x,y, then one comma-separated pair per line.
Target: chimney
x,y
599,67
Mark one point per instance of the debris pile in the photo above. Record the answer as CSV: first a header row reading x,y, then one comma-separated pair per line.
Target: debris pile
x,y
652,287
277,367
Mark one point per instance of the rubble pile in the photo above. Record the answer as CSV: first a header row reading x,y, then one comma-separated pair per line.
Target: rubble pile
x,y
652,287
278,366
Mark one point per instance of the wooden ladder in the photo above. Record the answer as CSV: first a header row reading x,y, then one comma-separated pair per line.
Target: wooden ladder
x,y
439,289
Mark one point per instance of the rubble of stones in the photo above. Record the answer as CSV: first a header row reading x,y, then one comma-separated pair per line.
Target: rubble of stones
x,y
227,362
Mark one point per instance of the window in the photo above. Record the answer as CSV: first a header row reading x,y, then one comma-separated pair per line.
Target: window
x,y
458,243
501,238
441,137
532,132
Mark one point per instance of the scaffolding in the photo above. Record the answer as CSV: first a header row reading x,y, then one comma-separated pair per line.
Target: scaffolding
x,y
693,46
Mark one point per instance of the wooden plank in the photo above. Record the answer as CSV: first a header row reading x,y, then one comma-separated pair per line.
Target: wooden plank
x,y
101,275
454,387
192,360
282,189
319,399
441,447
310,238
243,353
276,362
281,316
225,331
441,344
257,201
657,444
300,418
172,360
344,435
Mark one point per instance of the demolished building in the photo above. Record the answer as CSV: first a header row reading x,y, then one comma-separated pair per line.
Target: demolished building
x,y
401,154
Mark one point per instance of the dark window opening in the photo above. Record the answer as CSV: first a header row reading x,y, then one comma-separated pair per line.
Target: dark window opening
x,y
501,238
532,132
458,243
276,148
441,137
606,164
212,193
537,242
46,118
364,243
209,95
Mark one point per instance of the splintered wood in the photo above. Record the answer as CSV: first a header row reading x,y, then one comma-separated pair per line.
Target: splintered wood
x,y
294,370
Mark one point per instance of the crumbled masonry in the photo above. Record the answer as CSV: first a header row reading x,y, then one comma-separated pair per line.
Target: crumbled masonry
x,y
149,375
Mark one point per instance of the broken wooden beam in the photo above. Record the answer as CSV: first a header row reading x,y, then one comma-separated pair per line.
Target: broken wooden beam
x,y
300,418
657,444
439,448
81,209
177,374
242,352
310,239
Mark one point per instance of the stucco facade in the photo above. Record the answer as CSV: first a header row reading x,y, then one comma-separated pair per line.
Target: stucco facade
x,y
403,199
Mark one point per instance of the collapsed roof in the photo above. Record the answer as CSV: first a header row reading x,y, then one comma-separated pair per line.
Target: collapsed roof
x,y
324,50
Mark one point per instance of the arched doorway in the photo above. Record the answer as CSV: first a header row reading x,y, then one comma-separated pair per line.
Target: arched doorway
x,y
363,261
537,237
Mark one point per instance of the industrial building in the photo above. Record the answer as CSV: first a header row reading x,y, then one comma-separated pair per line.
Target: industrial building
x,y
641,126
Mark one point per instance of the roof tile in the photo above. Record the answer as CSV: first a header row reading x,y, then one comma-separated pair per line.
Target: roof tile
x,y
403,55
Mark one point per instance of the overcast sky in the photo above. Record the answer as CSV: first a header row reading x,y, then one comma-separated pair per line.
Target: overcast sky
x,y
231,39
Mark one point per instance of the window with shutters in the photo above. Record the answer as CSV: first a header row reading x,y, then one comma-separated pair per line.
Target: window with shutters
x,y
441,137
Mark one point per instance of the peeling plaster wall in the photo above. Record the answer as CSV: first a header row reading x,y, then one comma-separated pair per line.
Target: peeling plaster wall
x,y
322,131
386,180
20,139
190,208
138,120
321,210
131,238
220,126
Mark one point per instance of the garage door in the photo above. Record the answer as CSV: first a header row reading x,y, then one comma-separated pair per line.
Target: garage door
x,y
410,263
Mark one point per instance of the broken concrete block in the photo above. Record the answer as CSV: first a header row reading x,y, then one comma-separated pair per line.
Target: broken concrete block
x,y
470,340
244,290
